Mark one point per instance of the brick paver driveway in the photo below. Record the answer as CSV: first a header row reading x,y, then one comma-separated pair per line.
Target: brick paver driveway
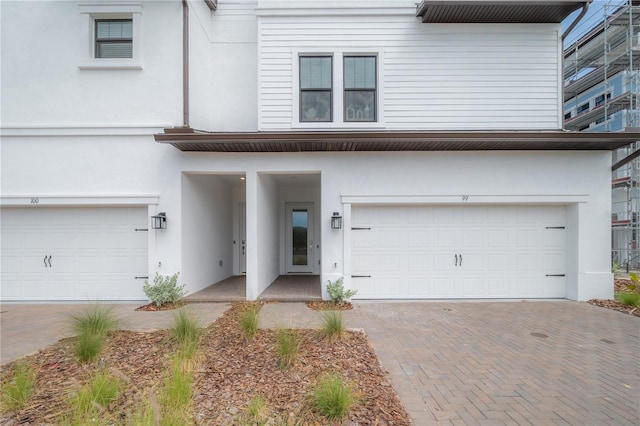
x,y
525,363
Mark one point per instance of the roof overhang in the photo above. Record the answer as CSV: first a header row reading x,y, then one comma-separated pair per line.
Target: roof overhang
x,y
187,139
498,11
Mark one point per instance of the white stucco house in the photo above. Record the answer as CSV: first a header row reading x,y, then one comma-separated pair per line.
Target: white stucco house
x,y
433,131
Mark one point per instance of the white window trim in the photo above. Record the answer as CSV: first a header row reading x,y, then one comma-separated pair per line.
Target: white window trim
x,y
89,13
337,89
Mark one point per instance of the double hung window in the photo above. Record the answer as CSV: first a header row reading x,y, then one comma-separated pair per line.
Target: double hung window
x,y
316,88
359,88
114,38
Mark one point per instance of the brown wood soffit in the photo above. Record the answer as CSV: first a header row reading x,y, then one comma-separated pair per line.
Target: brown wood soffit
x,y
501,11
187,139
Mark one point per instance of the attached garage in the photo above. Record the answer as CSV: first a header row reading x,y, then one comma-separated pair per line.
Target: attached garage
x,y
444,251
73,253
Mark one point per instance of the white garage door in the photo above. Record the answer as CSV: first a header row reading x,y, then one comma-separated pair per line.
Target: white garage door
x,y
458,252
73,253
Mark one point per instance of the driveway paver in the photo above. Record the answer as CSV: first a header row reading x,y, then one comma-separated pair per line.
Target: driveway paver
x,y
451,363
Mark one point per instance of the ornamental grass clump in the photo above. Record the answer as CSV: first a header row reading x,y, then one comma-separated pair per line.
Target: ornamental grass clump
x,y
332,324
331,397
249,320
631,296
165,289
186,331
287,346
18,388
92,326
93,398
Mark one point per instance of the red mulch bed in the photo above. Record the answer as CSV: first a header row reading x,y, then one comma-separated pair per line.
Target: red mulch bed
x,y
323,305
620,286
152,307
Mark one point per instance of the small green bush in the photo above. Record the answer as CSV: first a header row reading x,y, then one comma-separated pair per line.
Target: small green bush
x,y
249,320
631,299
100,391
287,345
17,390
337,292
331,397
165,289
186,331
332,324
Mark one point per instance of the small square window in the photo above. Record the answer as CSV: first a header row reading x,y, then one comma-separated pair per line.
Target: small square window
x,y
583,108
114,38
360,88
316,88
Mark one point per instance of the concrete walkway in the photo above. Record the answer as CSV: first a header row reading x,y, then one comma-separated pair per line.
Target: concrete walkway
x,y
451,363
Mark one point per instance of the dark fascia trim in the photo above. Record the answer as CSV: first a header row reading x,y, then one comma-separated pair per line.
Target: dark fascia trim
x,y
497,11
188,139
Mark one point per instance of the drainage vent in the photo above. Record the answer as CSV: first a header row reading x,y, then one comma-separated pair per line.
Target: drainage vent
x,y
541,335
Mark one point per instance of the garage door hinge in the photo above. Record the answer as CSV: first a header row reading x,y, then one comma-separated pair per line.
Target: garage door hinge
x,y
360,276
361,229
555,227
555,275
142,278
141,229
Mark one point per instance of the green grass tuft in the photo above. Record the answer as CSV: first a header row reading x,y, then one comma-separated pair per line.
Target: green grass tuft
x,y
88,346
99,392
249,320
257,410
288,344
186,331
331,397
18,389
332,324
178,388
95,319
630,299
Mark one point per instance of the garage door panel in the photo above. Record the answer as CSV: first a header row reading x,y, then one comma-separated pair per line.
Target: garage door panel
x,y
506,251
80,245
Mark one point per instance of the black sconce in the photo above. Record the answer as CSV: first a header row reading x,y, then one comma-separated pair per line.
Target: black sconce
x,y
159,221
336,221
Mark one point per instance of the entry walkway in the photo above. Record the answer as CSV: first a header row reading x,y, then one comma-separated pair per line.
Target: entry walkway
x,y
471,363
286,288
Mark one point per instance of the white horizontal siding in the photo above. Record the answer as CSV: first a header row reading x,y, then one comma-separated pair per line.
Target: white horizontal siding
x,y
434,77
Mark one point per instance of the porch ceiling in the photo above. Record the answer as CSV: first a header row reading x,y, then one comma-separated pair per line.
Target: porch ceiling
x,y
187,139
500,11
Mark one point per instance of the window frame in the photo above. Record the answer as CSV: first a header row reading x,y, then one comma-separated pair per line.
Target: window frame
x,y
374,90
98,41
301,91
338,122
106,10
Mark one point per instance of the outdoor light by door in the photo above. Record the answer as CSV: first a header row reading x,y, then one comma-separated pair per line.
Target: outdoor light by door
x,y
159,221
336,221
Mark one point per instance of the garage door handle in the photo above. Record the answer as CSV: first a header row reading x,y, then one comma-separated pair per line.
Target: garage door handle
x,y
460,260
45,260
554,275
49,261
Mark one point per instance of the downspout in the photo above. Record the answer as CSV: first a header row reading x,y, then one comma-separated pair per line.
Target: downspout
x,y
585,7
185,63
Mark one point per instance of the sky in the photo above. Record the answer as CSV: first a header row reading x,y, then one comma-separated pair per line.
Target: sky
x,y
594,16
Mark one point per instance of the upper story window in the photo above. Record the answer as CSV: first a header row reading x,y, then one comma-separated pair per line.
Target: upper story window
x,y
582,108
360,88
316,88
114,38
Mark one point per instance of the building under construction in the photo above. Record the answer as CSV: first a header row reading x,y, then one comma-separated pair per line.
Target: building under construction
x,y
602,93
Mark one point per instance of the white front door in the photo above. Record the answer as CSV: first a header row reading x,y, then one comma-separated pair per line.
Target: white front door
x,y
242,247
300,253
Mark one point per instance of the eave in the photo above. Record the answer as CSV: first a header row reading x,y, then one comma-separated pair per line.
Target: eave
x,y
187,139
500,11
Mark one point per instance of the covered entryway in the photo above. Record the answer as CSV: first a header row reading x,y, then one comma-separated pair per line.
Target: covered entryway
x,y
74,253
410,252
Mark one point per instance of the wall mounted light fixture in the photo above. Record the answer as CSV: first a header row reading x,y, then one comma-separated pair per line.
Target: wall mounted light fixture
x,y
336,221
159,221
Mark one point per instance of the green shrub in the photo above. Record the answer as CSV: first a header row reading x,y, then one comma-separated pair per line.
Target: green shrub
x,y
331,397
17,390
249,320
337,292
332,324
165,289
186,331
631,299
92,325
100,391
95,319
287,345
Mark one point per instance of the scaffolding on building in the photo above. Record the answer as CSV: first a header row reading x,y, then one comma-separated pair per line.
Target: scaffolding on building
x,y
608,58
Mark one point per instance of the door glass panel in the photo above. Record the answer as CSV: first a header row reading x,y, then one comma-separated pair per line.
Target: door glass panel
x,y
300,223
